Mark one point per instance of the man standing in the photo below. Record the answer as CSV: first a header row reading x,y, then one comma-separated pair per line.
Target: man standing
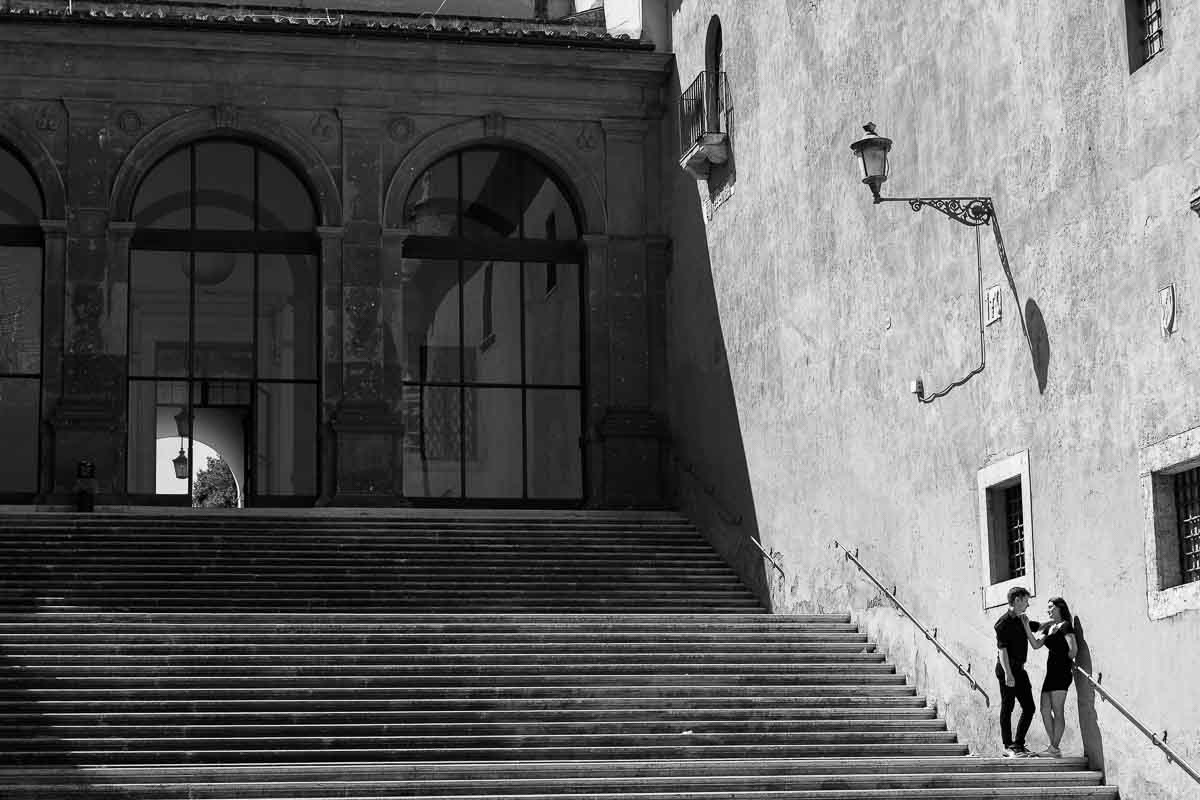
x,y
1012,641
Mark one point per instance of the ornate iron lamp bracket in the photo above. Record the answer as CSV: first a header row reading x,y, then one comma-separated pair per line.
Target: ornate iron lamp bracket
x,y
970,211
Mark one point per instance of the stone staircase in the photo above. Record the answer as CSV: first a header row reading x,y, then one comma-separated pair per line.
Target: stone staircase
x,y
541,655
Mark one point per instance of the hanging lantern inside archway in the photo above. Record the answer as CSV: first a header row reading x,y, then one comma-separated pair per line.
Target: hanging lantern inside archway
x,y
181,465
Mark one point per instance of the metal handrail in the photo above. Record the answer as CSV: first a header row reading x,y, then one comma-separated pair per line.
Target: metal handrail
x,y
931,636
1161,744
727,516
704,108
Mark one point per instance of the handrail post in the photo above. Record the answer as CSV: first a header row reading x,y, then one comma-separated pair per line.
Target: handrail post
x,y
932,637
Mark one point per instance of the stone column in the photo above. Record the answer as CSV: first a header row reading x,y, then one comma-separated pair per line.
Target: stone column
x,y
89,419
597,360
366,425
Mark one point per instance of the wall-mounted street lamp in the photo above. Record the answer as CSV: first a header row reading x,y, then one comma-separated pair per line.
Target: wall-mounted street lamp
x,y
872,152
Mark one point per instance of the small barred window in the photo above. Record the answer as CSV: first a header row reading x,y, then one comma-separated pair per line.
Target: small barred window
x,y
1187,507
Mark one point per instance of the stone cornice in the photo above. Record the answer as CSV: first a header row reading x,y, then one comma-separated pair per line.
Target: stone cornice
x,y
450,56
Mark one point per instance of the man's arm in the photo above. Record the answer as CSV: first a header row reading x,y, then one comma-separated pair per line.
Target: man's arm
x,y
1009,678
1035,641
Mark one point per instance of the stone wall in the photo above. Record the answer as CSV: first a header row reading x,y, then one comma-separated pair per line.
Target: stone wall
x,y
825,307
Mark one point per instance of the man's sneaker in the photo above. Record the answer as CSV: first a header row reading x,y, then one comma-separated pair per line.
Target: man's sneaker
x,y
1019,751
1009,752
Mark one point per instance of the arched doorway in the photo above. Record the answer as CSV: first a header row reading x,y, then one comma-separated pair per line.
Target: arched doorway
x,y
484,337
21,211
223,322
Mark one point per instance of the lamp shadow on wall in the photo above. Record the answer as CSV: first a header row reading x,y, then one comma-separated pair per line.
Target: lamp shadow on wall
x,y
1033,324
1089,724
708,478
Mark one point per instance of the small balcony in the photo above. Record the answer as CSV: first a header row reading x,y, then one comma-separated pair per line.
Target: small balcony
x,y
705,122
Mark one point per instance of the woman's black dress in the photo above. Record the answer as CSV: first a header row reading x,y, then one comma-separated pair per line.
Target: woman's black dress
x,y
1058,663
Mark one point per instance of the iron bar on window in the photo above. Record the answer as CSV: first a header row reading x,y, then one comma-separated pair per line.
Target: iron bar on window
x,y
1187,504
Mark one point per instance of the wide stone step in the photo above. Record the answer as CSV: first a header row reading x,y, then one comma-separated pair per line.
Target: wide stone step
x,y
800,717
592,625
349,702
610,787
103,726
123,752
600,661
565,770
329,678
292,690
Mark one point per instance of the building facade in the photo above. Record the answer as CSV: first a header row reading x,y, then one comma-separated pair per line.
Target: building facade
x,y
362,255
801,314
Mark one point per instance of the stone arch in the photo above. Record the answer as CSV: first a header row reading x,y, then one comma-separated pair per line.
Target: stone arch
x,y
39,161
204,123
580,182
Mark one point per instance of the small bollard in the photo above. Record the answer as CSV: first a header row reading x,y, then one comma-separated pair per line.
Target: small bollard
x,y
85,486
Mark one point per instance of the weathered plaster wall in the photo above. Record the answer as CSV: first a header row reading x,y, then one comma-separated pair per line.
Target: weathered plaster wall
x,y
827,306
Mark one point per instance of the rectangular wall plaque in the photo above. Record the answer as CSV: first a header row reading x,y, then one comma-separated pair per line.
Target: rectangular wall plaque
x,y
992,305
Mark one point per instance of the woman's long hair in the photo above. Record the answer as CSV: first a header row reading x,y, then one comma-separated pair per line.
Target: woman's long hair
x,y
1064,611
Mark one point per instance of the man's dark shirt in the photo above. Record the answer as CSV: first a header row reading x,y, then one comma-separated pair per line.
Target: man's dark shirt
x,y
1011,637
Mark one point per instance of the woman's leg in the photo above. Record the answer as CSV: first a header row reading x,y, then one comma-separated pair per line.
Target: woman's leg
x,y
1058,700
1047,716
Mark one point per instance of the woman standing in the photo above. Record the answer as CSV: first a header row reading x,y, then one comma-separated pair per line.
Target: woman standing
x,y
1057,636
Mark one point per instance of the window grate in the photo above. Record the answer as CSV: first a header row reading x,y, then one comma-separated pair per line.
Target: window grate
x,y
1014,527
1187,504
1152,38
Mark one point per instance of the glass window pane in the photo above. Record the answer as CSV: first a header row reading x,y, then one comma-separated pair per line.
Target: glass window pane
x,y
285,422
552,337
547,214
224,186
224,346
421,314
287,316
20,310
493,436
491,181
432,442
492,320
20,199
158,313
154,440
164,198
285,203
553,455
431,208
19,432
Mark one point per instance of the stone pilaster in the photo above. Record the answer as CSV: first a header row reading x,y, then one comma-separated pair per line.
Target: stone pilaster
x,y
54,266
88,419
626,468
366,423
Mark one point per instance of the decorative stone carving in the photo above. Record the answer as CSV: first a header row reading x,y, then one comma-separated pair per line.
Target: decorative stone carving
x,y
586,140
48,119
129,121
324,126
493,124
225,115
400,129
362,323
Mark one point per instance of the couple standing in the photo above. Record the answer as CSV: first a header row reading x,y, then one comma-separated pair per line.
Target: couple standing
x,y
1015,634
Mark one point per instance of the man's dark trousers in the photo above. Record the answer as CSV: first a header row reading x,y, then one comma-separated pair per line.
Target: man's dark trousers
x,y
1009,697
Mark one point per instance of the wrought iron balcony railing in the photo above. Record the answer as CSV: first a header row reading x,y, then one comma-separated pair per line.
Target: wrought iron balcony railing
x,y
705,122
